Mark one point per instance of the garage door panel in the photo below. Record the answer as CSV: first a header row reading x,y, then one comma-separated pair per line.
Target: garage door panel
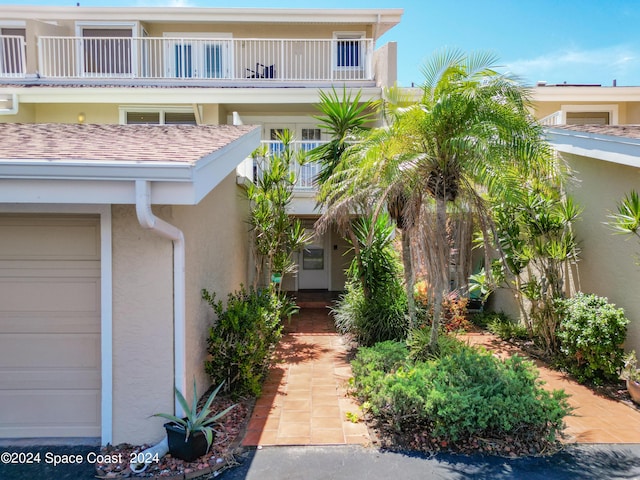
x,y
49,379
50,371
50,351
46,322
49,294
49,238
49,413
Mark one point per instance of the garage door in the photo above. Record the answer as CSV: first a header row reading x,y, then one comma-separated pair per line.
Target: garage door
x,y
49,326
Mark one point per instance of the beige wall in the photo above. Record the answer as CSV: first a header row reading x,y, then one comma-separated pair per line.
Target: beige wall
x,y
385,65
256,30
608,261
216,243
142,329
340,260
68,113
216,259
26,114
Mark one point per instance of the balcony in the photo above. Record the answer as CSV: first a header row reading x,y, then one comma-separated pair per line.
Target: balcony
x,y
218,61
12,57
305,173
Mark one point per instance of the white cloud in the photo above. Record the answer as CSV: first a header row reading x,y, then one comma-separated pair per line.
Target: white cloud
x,y
601,65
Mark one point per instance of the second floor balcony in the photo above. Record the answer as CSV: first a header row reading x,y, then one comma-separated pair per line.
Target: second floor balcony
x,y
216,60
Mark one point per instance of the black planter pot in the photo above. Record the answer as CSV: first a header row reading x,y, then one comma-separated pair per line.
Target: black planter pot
x,y
194,447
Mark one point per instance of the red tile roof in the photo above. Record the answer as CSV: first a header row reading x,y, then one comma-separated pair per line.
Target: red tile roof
x,y
629,131
115,143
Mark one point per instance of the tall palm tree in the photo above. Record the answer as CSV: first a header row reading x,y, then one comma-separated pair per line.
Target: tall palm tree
x,y
469,137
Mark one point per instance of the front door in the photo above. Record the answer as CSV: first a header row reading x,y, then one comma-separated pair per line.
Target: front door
x,y
313,268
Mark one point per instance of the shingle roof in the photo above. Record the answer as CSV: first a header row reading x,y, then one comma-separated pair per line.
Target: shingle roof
x,y
115,143
629,131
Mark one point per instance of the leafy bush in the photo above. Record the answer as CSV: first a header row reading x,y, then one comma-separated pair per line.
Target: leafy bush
x,y
373,363
484,318
374,307
506,328
418,344
469,393
591,334
241,341
383,317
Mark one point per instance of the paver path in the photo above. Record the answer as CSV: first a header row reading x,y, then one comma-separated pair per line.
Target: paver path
x,y
304,399
596,419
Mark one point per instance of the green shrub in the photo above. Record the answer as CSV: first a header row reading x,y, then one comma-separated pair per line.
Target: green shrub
x,y
242,340
506,328
373,363
591,334
467,394
484,318
381,318
418,344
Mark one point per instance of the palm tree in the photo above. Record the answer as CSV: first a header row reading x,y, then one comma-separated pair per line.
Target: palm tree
x,y
470,137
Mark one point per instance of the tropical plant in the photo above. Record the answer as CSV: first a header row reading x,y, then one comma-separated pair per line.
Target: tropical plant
x,y
536,238
275,234
627,219
630,371
243,337
195,420
374,306
469,137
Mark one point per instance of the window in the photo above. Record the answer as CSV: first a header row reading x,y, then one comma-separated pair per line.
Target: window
x,y
349,50
12,60
107,51
198,55
588,118
166,116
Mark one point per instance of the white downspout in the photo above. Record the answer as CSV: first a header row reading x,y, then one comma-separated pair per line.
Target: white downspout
x,y
148,220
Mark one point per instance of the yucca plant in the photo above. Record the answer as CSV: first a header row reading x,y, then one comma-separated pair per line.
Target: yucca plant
x,y
194,420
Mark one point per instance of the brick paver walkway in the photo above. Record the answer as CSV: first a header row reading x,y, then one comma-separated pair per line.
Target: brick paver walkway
x,y
304,399
595,419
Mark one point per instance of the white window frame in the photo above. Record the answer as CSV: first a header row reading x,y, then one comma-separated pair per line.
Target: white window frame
x,y
135,30
353,35
123,110
611,109
215,38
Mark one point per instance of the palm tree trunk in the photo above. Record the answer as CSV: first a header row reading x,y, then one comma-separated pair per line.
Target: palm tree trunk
x,y
441,278
408,275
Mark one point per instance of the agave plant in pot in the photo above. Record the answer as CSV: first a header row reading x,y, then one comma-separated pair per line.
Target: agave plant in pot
x,y
631,374
191,437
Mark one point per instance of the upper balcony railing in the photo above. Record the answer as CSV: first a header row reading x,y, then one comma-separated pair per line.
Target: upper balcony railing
x,y
12,56
554,119
205,58
305,173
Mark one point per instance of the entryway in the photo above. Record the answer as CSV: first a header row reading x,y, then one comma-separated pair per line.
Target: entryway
x,y
304,399
313,263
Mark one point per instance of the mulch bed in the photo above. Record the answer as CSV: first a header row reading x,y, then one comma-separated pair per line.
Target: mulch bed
x,y
226,445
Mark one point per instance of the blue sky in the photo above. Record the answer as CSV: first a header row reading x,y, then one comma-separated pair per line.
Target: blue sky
x,y
573,41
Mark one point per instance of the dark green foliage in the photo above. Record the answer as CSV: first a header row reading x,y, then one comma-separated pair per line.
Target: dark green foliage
x,y
506,328
372,364
466,394
419,349
591,334
242,339
383,317
374,307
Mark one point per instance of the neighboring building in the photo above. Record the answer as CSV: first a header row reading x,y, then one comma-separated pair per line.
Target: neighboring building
x,y
586,104
606,162
95,105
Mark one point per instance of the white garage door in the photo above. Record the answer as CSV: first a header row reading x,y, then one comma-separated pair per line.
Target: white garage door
x,y
49,326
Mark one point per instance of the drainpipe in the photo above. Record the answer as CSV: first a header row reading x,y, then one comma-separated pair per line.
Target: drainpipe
x,y
149,221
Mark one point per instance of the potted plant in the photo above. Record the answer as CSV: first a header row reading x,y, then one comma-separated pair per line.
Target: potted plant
x,y
631,374
191,437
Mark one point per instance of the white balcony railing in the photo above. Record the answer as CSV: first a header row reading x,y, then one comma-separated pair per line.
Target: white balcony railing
x,y
305,174
206,58
554,119
12,56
